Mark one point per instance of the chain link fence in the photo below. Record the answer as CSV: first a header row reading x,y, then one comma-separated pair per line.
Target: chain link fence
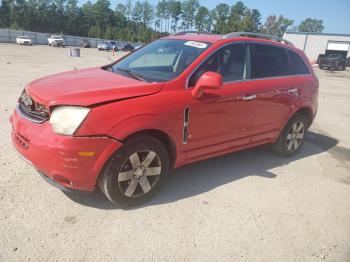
x,y
9,36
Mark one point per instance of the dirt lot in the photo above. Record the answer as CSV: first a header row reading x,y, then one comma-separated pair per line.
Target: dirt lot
x,y
247,206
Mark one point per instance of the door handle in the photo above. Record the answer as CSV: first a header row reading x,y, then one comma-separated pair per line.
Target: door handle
x,y
250,97
293,90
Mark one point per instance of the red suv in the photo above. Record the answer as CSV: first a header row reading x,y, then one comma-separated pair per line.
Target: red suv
x,y
177,100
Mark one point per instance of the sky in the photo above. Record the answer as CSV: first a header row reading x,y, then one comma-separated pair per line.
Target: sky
x,y
334,13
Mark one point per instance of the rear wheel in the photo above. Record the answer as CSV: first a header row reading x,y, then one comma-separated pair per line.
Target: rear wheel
x,y
135,172
292,137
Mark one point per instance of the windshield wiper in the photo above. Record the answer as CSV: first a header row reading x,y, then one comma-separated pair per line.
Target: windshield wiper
x,y
132,73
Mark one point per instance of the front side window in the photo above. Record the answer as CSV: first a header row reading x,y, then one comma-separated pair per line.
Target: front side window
x,y
269,61
160,61
298,65
232,62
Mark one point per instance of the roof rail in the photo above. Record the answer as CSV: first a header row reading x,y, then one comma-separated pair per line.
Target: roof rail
x,y
191,33
257,35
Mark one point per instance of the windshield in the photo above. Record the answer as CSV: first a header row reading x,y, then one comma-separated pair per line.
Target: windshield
x,y
23,37
160,61
57,37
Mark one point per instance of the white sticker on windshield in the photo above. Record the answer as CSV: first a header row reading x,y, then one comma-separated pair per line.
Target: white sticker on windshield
x,y
196,44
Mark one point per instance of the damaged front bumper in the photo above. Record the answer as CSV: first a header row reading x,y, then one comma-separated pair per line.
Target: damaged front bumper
x,y
67,162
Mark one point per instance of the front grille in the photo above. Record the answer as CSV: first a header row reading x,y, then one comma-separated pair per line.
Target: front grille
x,y
32,110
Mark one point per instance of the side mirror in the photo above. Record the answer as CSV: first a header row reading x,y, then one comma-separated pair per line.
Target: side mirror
x,y
209,80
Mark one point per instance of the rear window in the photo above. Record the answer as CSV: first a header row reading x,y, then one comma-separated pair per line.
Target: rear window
x,y
269,61
298,65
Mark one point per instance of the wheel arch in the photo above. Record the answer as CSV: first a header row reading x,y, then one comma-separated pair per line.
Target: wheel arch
x,y
307,112
163,137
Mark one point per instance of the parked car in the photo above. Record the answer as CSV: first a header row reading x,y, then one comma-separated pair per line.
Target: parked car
x,y
85,44
107,46
128,48
335,61
23,40
347,61
124,126
56,41
137,46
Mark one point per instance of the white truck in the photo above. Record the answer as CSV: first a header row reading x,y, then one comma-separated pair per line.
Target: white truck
x,y
56,40
23,40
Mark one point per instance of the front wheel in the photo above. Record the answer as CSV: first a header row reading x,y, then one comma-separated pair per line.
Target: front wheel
x,y
292,137
135,172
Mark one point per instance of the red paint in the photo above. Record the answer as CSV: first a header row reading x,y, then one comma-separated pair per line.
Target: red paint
x,y
221,121
209,80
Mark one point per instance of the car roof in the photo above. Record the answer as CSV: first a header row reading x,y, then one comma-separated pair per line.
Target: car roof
x,y
211,38
232,37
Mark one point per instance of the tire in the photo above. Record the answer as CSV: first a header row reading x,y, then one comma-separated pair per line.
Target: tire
x,y
125,182
321,67
288,143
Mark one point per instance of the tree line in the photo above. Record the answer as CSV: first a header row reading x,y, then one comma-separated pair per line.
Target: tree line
x,y
140,21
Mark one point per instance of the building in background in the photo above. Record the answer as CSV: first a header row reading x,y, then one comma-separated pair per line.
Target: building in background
x,y
314,44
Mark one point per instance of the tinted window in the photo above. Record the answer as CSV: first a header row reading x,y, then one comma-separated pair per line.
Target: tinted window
x,y
269,61
229,61
298,65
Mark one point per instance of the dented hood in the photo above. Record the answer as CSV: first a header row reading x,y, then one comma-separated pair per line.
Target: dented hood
x,y
87,87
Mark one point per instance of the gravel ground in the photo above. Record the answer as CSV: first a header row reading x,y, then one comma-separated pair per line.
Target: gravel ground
x,y
246,206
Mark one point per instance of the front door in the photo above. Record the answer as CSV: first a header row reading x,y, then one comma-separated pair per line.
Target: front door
x,y
222,119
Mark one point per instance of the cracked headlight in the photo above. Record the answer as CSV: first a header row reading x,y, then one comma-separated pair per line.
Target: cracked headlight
x,y
66,119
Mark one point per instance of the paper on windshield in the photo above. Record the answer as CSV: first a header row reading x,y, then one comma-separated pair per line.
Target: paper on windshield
x,y
196,44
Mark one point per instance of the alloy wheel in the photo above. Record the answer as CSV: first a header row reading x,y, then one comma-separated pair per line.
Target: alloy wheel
x,y
295,136
139,173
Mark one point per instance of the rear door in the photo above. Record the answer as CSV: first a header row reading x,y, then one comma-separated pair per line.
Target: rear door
x,y
304,81
275,93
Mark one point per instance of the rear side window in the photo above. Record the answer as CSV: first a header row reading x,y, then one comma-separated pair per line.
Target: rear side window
x,y
298,65
269,61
